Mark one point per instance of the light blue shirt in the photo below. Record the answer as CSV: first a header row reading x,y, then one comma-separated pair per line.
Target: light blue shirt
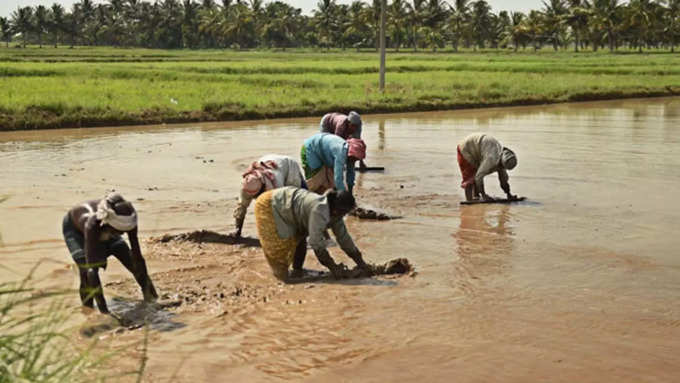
x,y
324,149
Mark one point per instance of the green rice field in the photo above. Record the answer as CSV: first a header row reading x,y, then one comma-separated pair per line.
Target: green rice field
x,y
51,88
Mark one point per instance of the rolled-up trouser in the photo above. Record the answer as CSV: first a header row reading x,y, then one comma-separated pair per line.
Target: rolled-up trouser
x,y
75,241
467,171
278,251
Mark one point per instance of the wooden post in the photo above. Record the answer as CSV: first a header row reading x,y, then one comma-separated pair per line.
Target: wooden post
x,y
383,6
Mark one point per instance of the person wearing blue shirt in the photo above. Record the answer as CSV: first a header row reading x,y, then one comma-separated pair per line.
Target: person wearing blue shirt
x,y
328,161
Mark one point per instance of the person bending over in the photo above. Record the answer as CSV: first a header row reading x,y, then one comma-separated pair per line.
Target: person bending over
x,y
285,217
269,172
327,157
480,155
345,126
93,231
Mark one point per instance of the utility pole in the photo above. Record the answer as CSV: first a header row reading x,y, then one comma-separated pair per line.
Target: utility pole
x,y
383,6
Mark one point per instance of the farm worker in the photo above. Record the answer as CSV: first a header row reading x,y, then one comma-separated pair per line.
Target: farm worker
x,y
92,231
326,157
286,216
480,155
269,172
345,126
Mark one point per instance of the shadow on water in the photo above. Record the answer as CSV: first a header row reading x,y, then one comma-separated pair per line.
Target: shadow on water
x,y
131,315
135,314
207,236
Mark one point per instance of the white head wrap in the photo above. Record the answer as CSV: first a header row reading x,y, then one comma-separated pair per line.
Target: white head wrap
x,y
508,159
108,216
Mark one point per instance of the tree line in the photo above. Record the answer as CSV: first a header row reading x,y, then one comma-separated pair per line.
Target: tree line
x,y
411,24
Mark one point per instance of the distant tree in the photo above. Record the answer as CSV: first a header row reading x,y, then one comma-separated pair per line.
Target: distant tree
x,y
480,22
396,22
458,23
22,22
606,16
41,22
56,23
577,19
416,12
672,19
518,30
325,22
554,12
5,31
640,19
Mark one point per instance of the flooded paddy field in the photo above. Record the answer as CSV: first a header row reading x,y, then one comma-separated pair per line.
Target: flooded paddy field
x,y
577,283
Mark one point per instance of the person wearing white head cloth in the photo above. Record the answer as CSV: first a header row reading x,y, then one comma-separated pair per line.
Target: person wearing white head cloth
x,y
480,155
92,232
271,171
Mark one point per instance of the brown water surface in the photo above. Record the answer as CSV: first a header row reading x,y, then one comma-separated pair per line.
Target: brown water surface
x,y
579,283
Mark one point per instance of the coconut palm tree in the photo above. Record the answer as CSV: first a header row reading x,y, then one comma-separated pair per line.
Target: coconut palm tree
x,y
518,31
577,18
57,22
5,30
22,21
480,22
553,14
672,16
640,18
41,21
459,17
416,11
397,16
325,21
605,20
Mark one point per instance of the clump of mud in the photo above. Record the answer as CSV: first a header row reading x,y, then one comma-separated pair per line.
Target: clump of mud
x,y
207,236
395,267
366,213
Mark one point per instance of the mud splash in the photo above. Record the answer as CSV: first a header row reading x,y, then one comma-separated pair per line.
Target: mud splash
x,y
371,214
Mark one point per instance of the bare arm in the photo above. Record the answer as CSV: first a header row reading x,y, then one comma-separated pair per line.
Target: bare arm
x,y
240,211
140,271
346,243
503,179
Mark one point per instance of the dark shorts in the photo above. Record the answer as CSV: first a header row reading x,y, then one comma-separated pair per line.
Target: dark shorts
x,y
75,241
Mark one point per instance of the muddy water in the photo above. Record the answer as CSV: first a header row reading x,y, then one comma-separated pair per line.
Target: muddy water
x,y
579,283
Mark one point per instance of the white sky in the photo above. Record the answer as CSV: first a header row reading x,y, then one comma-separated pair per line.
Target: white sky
x,y
8,6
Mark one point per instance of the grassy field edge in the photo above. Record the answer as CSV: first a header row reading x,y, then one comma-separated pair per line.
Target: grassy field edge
x,y
57,117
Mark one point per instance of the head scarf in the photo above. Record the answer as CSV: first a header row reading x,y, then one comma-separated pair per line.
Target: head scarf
x,y
107,216
259,173
357,148
508,159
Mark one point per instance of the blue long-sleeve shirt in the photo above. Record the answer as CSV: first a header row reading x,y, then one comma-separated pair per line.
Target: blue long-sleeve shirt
x,y
324,149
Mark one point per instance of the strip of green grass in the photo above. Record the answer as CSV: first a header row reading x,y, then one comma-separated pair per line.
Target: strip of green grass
x,y
50,88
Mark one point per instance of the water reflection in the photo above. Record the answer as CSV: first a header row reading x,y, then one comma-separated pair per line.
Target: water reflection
x,y
484,242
